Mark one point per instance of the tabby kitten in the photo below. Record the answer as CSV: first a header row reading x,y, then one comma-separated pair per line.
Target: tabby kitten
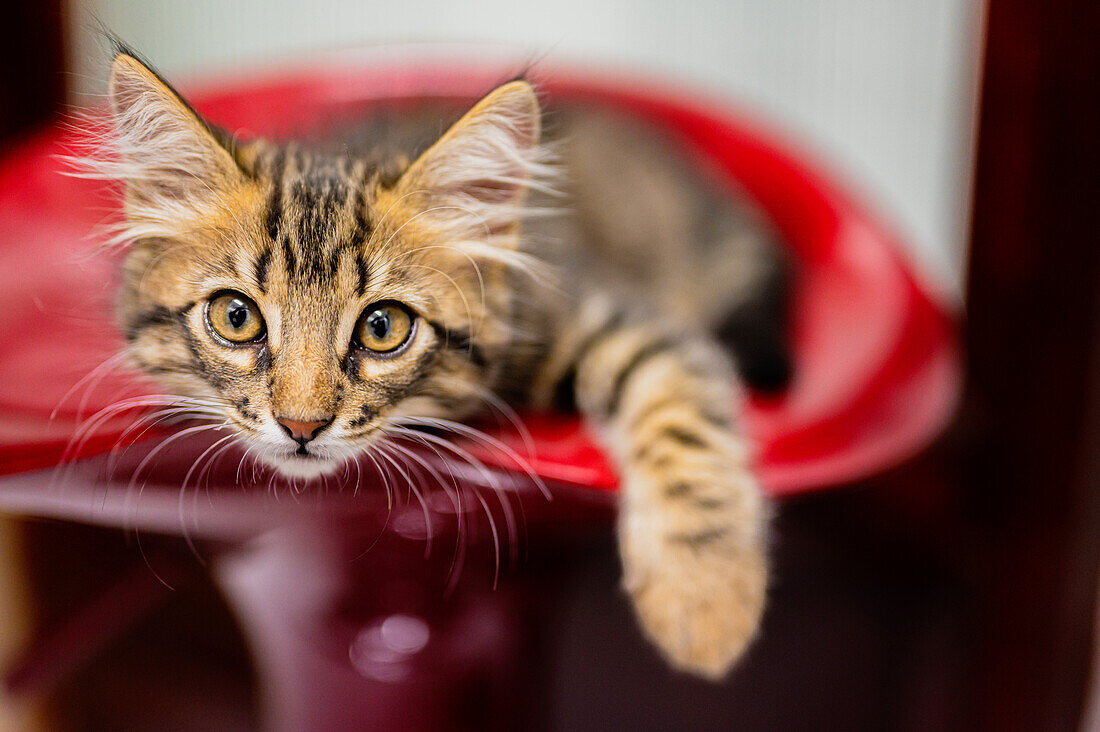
x,y
322,300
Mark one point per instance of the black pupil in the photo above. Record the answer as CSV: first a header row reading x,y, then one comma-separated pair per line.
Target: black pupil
x,y
379,324
237,314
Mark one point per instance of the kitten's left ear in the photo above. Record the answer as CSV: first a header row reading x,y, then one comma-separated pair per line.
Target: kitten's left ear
x,y
171,161
476,174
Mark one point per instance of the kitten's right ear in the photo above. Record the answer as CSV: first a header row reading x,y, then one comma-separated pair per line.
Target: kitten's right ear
x,y
174,167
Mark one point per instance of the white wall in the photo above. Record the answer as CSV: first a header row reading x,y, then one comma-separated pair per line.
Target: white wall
x,y
884,90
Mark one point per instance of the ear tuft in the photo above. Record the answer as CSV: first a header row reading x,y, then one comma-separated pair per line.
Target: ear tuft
x,y
159,133
175,171
471,183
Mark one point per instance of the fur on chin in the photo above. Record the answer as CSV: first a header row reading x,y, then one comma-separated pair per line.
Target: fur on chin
x,y
301,468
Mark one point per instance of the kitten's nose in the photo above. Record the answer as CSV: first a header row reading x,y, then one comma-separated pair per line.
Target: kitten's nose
x,y
302,432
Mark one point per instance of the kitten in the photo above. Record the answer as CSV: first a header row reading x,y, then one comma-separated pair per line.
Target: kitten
x,y
321,301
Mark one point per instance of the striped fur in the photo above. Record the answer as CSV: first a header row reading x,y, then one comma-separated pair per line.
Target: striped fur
x,y
692,525
608,307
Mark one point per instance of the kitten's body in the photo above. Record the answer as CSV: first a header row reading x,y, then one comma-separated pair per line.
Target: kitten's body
x,y
612,305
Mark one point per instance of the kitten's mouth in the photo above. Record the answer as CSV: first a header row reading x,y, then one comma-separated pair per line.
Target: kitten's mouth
x,y
301,464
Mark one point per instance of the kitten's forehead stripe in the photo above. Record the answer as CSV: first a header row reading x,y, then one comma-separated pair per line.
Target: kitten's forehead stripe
x,y
290,261
262,264
275,202
362,224
318,198
318,209
362,272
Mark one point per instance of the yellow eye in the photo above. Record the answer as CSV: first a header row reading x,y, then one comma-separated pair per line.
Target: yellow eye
x,y
383,327
235,318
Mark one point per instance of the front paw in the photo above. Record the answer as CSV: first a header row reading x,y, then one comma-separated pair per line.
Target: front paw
x,y
697,583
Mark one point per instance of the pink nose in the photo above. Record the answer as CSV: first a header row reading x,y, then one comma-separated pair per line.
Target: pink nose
x,y
302,431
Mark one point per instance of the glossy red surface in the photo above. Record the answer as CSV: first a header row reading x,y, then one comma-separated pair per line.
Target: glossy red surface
x,y
876,360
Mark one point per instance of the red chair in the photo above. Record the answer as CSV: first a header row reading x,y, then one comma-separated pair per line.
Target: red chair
x,y
346,617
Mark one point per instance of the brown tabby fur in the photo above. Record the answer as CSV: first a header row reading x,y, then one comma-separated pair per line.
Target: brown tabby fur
x,y
608,306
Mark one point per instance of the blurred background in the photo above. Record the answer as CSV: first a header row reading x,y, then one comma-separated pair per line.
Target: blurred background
x,y
885,92
956,591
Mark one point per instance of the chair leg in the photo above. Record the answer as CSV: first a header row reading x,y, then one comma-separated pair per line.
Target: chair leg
x,y
16,628
349,632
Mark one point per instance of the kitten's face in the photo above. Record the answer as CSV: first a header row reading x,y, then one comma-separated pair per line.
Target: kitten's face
x,y
317,301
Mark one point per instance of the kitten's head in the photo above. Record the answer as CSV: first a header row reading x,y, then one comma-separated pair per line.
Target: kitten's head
x,y
316,299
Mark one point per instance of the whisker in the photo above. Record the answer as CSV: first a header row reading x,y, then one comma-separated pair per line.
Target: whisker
x,y
108,364
152,454
87,429
148,422
491,442
454,496
389,504
208,472
490,480
501,407
183,490
420,497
